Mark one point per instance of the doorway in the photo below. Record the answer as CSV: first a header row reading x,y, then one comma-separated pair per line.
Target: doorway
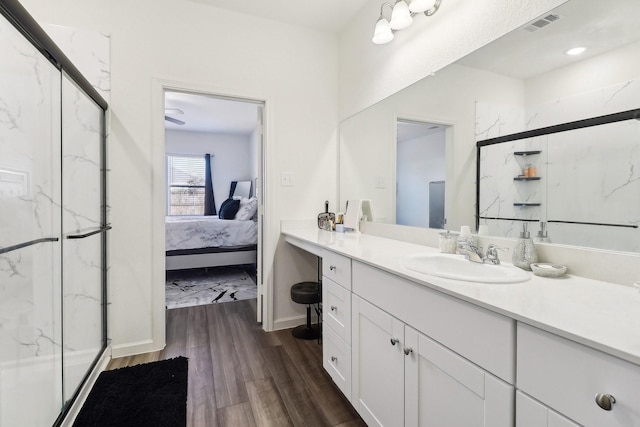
x,y
213,152
420,173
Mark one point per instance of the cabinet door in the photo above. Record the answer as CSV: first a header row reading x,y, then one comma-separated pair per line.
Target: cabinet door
x,y
378,365
444,389
531,413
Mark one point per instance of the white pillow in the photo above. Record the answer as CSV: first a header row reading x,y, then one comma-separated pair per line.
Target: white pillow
x,y
248,208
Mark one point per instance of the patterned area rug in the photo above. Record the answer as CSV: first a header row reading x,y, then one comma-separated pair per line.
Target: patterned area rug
x,y
187,288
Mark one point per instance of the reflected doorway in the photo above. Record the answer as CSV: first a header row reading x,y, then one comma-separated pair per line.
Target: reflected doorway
x,y
420,174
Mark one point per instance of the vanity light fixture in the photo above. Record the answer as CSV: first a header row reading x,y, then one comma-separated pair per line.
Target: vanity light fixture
x,y
382,33
402,14
576,51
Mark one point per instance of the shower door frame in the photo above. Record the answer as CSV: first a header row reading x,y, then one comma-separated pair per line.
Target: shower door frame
x,y
24,23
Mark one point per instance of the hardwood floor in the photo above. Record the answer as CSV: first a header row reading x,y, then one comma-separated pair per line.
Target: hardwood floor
x,y
240,375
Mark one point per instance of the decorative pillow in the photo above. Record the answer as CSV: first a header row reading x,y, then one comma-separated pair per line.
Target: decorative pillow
x,y
228,209
248,208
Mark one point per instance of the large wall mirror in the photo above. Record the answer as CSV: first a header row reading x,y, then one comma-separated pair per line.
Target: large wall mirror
x,y
522,81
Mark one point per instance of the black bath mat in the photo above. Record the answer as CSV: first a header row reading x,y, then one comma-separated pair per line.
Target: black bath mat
x,y
151,394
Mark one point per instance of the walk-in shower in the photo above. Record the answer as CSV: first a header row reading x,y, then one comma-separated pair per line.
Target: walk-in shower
x,y
52,225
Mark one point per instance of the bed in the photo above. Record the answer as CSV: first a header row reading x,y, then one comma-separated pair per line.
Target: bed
x,y
207,241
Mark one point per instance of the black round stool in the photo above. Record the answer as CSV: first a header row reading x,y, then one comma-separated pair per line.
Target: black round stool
x,y
308,293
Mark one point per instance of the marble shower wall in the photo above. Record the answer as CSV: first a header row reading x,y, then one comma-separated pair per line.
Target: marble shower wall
x,y
81,214
588,175
30,198
32,289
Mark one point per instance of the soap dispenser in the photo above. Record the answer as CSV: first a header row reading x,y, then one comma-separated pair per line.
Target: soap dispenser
x,y
524,253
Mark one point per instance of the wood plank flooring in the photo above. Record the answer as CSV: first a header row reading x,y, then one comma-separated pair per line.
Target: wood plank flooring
x,y
240,375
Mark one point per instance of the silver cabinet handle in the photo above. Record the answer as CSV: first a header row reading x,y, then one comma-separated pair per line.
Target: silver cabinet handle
x,y
605,401
333,358
394,341
332,267
408,351
334,308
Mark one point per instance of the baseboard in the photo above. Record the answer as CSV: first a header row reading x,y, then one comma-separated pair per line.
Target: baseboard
x,y
73,412
132,349
290,322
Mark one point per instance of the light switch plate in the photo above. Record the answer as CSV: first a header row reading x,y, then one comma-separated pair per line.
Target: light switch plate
x,y
287,179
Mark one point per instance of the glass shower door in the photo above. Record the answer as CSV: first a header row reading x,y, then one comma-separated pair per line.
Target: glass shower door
x,y
30,276
83,226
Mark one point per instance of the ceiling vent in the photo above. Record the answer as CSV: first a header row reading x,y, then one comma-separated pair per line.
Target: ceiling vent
x,y
542,22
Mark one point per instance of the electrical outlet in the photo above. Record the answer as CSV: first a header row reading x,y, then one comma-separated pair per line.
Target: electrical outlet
x,y
380,182
287,179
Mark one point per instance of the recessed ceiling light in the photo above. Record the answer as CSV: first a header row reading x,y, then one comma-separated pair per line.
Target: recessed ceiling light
x,y
576,51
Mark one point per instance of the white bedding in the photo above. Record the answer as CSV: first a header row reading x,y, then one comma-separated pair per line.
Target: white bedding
x,y
191,232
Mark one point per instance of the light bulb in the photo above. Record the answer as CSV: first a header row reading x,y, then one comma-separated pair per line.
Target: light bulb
x,y
382,33
418,6
400,16
576,51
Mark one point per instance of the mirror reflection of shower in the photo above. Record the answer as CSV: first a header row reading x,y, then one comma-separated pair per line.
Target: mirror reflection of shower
x,y
420,174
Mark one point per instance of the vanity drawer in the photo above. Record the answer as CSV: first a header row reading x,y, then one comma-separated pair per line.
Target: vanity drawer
x,y
336,309
337,268
479,335
336,360
566,376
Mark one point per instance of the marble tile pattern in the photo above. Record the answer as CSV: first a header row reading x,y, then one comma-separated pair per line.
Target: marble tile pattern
x,y
589,175
30,199
185,288
89,51
82,260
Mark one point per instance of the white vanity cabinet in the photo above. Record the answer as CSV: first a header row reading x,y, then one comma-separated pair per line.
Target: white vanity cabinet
x,y
402,376
336,319
378,365
567,376
531,413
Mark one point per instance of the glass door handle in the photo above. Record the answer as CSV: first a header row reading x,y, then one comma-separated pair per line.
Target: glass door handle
x,y
26,244
91,233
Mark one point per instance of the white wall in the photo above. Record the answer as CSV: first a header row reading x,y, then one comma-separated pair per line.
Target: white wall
x,y
423,161
370,73
231,161
193,45
367,150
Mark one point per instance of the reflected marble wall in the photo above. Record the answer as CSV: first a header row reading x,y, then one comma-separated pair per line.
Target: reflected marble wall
x,y
587,175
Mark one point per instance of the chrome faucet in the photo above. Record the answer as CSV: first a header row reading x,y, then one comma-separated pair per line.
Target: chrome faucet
x,y
492,254
474,253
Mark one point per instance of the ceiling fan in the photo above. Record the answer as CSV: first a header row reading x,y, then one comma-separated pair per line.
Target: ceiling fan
x,y
171,119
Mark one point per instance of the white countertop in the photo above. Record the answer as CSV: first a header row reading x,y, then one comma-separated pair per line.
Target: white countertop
x,y
601,315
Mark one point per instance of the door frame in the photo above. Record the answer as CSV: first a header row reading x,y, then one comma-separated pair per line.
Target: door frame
x,y
159,87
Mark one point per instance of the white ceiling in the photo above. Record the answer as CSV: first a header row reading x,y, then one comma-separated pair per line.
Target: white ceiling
x,y
205,113
598,25
325,15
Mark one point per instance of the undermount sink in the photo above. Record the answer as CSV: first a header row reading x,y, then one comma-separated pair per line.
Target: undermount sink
x,y
459,268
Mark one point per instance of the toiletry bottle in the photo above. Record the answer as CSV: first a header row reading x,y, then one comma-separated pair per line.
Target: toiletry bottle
x,y
524,253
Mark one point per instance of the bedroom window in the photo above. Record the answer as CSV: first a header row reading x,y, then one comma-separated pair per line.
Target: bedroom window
x,y
185,184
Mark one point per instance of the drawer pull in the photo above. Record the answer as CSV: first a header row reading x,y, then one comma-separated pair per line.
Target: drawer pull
x,y
333,358
334,308
332,267
605,401
408,351
394,341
